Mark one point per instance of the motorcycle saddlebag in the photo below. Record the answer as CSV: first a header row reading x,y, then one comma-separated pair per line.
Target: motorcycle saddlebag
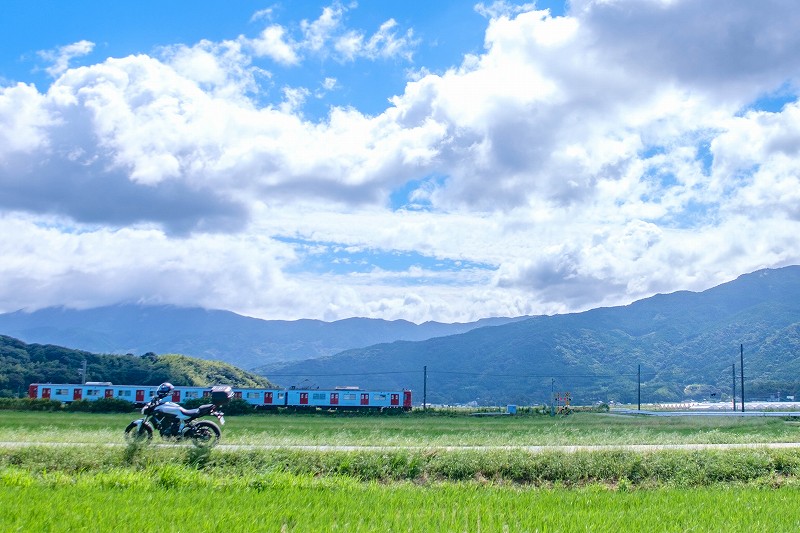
x,y
221,394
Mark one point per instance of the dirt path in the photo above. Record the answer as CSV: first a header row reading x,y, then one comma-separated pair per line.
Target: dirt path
x,y
531,449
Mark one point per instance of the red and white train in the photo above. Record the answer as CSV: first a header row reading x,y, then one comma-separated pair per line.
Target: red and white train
x,y
338,398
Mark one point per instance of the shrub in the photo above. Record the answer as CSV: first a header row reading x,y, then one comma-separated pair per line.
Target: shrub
x,y
107,405
237,406
29,404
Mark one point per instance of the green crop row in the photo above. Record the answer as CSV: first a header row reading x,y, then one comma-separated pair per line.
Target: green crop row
x,y
611,467
177,498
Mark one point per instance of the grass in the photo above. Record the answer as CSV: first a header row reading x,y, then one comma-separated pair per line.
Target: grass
x,y
406,479
419,430
688,468
283,502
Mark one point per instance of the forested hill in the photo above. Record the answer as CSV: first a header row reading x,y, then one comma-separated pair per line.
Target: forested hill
x,y
22,364
685,342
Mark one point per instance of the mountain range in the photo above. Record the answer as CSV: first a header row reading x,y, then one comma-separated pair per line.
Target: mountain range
x,y
213,334
668,347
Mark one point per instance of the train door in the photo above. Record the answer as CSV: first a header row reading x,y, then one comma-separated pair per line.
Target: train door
x,y
395,399
268,398
33,391
176,396
303,398
109,393
77,393
334,398
364,398
46,393
139,395
237,394
407,399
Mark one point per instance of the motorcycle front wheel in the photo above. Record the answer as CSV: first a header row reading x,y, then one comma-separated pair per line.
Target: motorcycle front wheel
x,y
205,434
142,433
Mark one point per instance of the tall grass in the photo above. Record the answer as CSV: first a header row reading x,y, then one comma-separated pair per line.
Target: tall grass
x,y
765,467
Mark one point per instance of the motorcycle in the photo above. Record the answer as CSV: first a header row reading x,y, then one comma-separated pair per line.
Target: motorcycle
x,y
174,422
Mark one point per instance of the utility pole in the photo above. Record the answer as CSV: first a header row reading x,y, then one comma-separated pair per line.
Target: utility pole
x,y
734,386
82,372
425,388
639,387
741,364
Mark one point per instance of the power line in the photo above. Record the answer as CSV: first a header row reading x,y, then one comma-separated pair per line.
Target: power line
x,y
447,372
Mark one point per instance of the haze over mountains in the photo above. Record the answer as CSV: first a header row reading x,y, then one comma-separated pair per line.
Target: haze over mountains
x,y
212,334
684,344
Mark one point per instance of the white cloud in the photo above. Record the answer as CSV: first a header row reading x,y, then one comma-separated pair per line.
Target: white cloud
x,y
385,43
328,36
581,160
60,57
25,120
502,8
274,43
318,33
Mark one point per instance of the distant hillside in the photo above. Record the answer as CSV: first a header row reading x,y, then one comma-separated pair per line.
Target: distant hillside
x,y
685,342
217,335
22,364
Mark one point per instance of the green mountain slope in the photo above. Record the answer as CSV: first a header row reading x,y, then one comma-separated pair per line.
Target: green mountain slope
x,y
685,342
22,364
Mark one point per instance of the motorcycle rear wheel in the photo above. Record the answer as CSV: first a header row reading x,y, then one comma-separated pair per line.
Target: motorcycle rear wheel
x,y
138,434
205,434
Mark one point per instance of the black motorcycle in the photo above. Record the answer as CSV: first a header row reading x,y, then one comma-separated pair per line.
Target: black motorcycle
x,y
174,422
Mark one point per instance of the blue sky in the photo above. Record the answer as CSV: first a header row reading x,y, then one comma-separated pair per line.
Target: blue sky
x,y
419,160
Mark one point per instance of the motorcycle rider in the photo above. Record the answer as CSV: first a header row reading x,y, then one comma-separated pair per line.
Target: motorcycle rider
x,y
164,390
163,395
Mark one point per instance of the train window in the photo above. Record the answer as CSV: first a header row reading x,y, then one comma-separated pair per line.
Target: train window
x,y
318,396
349,396
191,394
281,395
60,391
123,393
379,397
92,392
251,395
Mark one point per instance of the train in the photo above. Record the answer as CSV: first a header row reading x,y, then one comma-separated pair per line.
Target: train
x,y
339,398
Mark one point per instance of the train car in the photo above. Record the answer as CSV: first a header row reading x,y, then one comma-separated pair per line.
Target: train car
x,y
136,394
339,398
262,398
349,398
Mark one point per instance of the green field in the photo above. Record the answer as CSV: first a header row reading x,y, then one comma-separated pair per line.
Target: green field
x,y
420,430
403,479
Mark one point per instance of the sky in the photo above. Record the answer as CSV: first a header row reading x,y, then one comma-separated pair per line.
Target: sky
x,y
410,159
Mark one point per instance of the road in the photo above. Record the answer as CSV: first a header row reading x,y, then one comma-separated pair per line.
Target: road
x,y
698,412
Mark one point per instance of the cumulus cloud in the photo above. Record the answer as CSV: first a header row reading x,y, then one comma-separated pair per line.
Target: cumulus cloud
x,y
578,160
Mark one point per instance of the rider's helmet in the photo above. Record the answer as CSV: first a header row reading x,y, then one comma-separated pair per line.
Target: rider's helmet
x,y
165,389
